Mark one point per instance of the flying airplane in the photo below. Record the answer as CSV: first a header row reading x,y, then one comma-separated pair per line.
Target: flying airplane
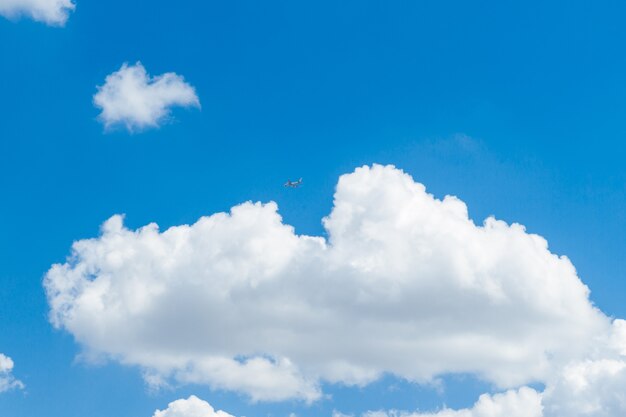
x,y
293,184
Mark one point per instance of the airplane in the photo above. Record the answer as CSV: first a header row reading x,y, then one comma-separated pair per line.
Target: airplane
x,y
293,184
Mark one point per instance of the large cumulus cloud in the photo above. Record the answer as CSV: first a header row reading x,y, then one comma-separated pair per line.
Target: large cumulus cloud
x,y
404,284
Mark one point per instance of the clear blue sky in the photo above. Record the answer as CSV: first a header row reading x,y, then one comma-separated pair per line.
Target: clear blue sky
x,y
517,109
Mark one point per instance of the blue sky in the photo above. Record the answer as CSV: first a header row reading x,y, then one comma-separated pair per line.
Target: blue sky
x,y
518,110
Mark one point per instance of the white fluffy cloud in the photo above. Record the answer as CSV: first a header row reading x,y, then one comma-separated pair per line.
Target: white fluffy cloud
x,y
594,387
191,407
52,12
132,98
524,402
7,381
405,283
589,389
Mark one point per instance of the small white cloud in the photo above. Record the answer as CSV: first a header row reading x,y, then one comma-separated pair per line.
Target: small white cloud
x,y
524,402
7,381
133,99
191,407
52,12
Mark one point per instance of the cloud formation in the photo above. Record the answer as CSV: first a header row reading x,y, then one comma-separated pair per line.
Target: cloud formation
x,y
52,12
7,381
525,402
191,407
405,284
594,387
133,99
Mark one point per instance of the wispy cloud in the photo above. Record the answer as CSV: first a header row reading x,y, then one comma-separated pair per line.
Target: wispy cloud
x,y
7,380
